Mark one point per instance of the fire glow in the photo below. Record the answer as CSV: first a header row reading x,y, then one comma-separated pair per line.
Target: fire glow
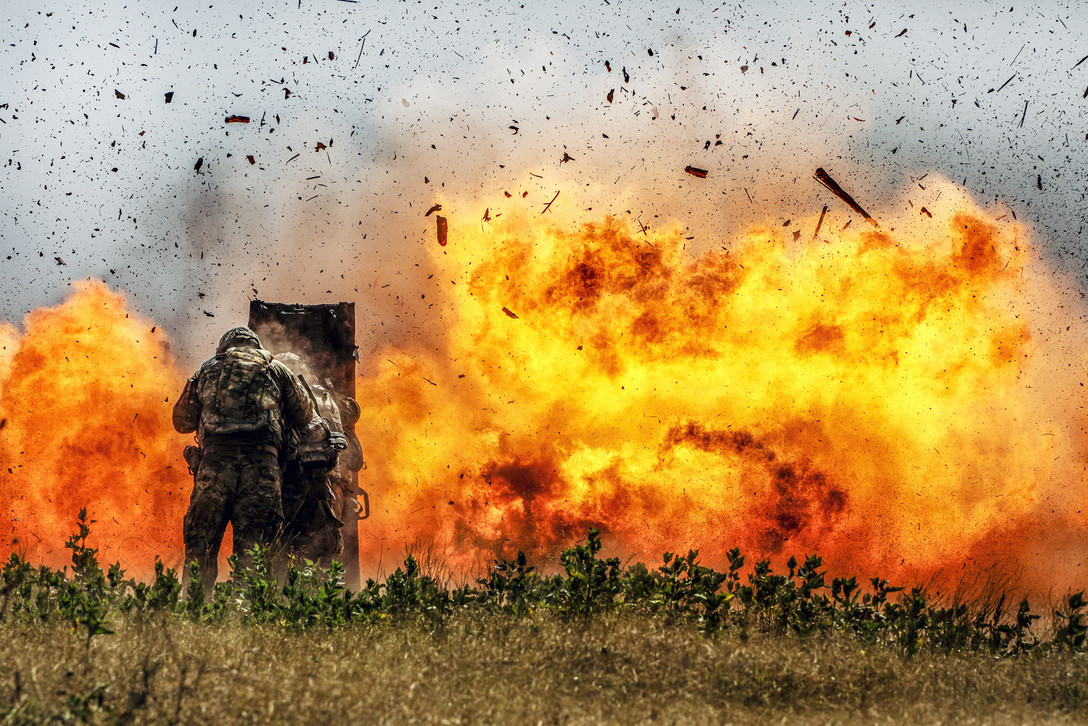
x,y
882,398
85,396
866,395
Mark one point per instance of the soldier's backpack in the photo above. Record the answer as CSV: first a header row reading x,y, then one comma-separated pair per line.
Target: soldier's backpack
x,y
244,389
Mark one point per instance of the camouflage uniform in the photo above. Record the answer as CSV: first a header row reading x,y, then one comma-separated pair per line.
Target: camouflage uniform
x,y
310,495
349,461
239,403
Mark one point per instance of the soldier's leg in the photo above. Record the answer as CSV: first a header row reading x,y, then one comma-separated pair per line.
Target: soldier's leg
x,y
325,546
258,511
206,518
293,496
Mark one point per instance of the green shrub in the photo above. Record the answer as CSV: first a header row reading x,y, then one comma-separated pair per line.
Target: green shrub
x,y
798,602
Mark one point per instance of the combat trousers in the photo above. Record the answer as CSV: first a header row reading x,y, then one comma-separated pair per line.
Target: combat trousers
x,y
236,483
312,529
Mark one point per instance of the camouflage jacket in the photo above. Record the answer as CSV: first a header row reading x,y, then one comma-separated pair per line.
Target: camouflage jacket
x,y
244,391
329,413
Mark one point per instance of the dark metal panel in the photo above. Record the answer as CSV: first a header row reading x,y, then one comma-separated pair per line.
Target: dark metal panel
x,y
324,336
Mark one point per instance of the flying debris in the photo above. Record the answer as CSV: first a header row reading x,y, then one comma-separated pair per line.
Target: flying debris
x,y
549,204
695,171
442,229
824,178
820,222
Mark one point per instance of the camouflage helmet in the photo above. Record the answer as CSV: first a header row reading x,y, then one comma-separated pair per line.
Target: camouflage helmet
x,y
238,337
295,364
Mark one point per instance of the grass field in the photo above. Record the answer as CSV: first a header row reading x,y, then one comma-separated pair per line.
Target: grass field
x,y
539,669
596,642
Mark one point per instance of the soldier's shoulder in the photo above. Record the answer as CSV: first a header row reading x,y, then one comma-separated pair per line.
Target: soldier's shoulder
x,y
207,365
279,367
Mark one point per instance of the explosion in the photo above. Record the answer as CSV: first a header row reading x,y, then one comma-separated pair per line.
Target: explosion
x,y
865,394
889,398
85,400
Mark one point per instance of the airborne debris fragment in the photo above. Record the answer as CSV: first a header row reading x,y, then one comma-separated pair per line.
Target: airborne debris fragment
x,y
566,157
610,94
902,33
926,212
119,94
824,178
169,96
442,229
210,315
199,163
432,210
549,204
509,312
695,171
251,159
235,119
60,261
820,222
1003,84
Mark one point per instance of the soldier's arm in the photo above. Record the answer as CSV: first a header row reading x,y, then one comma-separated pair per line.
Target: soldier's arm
x,y
298,410
187,408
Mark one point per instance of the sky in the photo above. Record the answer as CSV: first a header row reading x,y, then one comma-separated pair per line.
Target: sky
x,y
118,161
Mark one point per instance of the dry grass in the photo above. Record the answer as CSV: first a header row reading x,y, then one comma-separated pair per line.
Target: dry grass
x,y
625,669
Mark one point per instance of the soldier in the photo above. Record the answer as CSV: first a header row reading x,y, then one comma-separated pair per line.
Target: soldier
x,y
239,403
313,514
350,460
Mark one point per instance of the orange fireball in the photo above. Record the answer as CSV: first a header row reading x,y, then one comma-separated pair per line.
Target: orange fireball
x,y
867,395
85,401
904,402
